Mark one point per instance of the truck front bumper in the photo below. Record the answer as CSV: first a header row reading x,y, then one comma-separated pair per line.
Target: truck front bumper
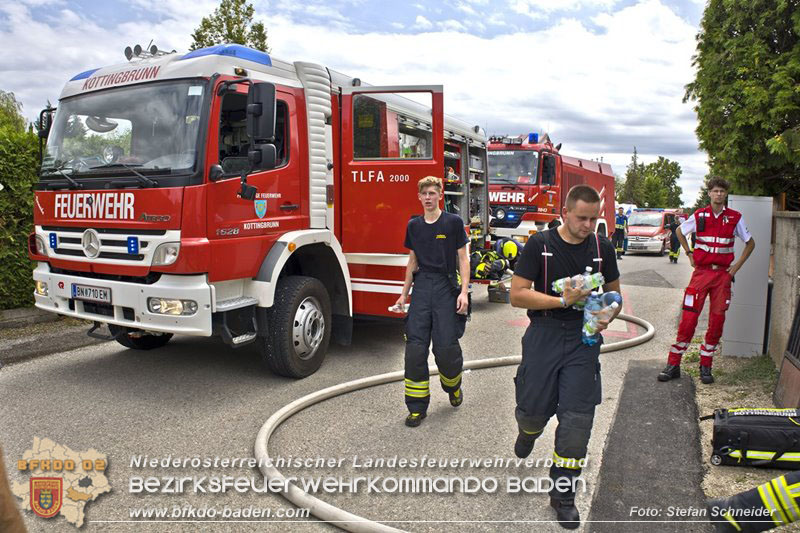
x,y
128,305
521,233
645,246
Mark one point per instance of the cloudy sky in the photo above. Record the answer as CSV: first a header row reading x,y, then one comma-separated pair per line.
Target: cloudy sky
x,y
600,76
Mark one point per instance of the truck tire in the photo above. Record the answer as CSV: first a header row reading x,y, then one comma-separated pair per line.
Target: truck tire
x,y
145,341
299,327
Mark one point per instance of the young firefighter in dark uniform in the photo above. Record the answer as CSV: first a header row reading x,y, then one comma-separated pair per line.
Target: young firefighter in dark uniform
x,y
620,228
438,266
560,374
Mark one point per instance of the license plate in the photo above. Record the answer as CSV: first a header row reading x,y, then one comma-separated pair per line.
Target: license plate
x,y
633,245
93,294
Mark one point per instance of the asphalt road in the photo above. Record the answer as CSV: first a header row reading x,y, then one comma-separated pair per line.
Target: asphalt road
x,y
199,398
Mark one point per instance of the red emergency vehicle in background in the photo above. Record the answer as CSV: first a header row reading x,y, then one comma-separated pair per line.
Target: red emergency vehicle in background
x,y
648,229
529,181
224,192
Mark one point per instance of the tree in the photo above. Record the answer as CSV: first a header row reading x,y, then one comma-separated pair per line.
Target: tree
x,y
702,196
667,173
231,22
619,188
654,193
748,106
11,112
633,190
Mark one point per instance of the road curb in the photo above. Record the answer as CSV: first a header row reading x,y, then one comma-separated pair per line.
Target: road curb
x,y
25,316
56,339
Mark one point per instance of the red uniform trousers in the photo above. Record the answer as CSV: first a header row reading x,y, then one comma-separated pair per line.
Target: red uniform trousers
x,y
713,280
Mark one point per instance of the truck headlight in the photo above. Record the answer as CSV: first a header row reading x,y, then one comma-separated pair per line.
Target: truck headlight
x,y
166,253
41,249
41,287
169,306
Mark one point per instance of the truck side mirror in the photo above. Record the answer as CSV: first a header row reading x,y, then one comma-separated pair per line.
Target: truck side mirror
x,y
262,156
261,112
45,122
215,173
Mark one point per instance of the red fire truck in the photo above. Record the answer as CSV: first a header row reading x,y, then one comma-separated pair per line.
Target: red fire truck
x,y
529,181
225,192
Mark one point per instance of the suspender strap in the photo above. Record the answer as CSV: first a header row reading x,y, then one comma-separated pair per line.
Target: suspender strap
x,y
545,254
599,257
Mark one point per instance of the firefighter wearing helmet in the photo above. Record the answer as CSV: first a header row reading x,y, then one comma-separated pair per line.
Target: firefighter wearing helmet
x,y
438,267
716,226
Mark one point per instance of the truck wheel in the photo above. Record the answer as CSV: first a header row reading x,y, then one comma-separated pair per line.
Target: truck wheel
x,y
137,340
299,327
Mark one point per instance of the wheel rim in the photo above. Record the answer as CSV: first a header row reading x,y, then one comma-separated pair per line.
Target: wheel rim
x,y
308,328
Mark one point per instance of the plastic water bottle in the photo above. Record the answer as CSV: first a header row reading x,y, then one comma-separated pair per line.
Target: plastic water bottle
x,y
593,281
611,297
589,281
574,282
594,303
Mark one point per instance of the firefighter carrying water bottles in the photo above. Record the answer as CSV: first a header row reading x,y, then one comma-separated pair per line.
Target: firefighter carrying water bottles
x,y
716,226
559,374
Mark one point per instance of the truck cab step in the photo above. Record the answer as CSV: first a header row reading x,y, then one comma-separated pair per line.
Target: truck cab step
x,y
235,303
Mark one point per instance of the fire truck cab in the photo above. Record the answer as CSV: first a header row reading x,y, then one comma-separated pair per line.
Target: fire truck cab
x,y
226,192
529,181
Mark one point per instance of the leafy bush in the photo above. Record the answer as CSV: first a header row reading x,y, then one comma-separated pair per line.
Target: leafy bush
x,y
18,163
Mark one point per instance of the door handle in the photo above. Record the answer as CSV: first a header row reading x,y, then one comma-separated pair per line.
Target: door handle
x,y
289,207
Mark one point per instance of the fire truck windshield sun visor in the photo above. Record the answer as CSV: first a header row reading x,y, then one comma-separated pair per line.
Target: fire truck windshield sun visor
x,y
129,132
513,166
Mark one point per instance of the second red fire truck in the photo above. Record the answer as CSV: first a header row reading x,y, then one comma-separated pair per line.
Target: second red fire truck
x,y
529,180
225,192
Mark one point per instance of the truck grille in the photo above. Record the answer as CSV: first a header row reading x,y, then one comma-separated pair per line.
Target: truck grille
x,y
113,244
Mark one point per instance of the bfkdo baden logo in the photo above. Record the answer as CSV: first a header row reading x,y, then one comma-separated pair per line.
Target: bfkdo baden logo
x,y
45,493
62,481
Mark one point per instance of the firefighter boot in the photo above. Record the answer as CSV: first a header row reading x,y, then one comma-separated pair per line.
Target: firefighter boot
x,y
670,372
705,375
414,419
524,444
566,513
456,397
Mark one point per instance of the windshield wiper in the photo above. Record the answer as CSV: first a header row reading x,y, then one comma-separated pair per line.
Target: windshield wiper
x,y
71,182
144,180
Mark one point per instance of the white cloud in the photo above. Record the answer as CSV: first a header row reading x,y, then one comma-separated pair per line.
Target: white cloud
x,y
538,9
397,25
451,25
423,23
600,93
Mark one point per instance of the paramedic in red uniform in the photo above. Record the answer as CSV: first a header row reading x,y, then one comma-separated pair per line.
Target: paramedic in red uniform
x,y
715,227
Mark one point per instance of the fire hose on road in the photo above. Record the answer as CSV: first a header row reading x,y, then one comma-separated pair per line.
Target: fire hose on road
x,y
339,517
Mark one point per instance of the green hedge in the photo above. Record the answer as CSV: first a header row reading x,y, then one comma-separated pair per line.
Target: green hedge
x,y
19,157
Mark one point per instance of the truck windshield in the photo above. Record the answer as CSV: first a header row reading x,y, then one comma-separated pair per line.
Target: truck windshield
x,y
645,219
145,127
513,166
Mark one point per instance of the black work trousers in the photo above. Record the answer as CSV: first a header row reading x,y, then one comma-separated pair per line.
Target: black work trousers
x,y
559,375
618,238
432,317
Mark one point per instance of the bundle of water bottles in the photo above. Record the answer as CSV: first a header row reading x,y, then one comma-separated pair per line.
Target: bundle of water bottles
x,y
596,306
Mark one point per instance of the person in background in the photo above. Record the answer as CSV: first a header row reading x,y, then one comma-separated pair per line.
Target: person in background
x,y
620,230
716,227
